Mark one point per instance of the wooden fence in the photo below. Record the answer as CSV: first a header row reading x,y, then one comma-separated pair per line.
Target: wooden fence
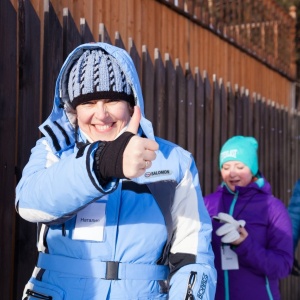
x,y
187,105
260,27
236,39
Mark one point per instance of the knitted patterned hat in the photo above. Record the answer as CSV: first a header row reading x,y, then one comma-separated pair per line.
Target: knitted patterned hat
x,y
97,75
243,149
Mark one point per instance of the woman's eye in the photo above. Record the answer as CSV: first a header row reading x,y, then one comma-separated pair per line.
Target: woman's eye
x,y
112,101
89,103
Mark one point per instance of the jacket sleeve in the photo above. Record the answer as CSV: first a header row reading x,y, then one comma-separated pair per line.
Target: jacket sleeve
x,y
191,256
53,189
294,212
276,258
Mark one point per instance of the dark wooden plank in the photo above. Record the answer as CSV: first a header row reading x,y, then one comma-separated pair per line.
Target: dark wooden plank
x,y
255,117
238,110
28,122
262,134
191,110
273,148
181,105
248,109
281,146
134,54
257,124
8,105
296,158
216,132
85,32
71,35
266,143
293,138
224,113
118,40
272,157
52,57
285,155
160,95
208,171
181,124
231,110
171,99
245,112
148,85
103,34
200,125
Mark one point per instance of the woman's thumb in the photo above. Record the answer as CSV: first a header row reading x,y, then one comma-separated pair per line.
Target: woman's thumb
x,y
134,123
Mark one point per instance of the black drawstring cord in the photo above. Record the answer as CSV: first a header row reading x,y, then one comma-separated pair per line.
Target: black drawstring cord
x,y
76,131
63,229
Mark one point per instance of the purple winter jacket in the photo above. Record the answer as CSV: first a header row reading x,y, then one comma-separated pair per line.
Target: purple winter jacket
x,y
267,253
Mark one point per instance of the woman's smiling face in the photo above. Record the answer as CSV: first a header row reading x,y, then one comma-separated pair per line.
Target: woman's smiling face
x,y
103,119
235,173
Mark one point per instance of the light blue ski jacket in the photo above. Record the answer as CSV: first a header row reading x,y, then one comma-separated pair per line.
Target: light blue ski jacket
x,y
294,212
147,238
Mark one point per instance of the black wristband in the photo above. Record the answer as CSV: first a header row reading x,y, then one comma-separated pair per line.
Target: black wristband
x,y
108,160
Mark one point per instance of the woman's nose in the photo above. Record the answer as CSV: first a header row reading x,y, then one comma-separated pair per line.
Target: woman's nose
x,y
100,110
232,172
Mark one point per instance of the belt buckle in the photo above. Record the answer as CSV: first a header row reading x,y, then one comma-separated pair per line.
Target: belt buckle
x,y
112,270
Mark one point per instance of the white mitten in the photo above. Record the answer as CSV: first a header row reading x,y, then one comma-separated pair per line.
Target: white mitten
x,y
228,231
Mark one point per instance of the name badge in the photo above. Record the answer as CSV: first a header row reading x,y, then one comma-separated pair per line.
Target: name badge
x,y
90,223
229,258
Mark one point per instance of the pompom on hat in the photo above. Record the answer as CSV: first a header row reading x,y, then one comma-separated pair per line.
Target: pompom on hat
x,y
97,75
243,149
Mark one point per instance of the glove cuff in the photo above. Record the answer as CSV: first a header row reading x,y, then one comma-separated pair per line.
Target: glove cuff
x,y
108,159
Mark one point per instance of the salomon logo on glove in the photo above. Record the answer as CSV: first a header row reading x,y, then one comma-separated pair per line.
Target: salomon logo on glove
x,y
228,231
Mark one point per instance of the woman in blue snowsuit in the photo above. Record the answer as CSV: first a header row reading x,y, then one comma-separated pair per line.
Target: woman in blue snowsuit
x,y
120,212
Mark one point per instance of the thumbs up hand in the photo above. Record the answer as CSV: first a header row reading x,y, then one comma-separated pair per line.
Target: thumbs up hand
x,y
139,152
128,156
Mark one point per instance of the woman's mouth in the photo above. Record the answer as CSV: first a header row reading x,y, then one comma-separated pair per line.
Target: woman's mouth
x,y
102,128
234,182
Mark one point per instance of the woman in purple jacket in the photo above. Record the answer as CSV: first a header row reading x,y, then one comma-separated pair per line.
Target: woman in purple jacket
x,y
252,233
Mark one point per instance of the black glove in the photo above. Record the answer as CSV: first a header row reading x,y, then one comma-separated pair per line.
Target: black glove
x,y
108,160
296,268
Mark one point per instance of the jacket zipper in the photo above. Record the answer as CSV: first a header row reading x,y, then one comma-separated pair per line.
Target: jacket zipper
x,y
37,295
189,292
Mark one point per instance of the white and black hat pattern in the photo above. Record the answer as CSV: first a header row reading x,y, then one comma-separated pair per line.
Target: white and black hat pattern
x,y
97,75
